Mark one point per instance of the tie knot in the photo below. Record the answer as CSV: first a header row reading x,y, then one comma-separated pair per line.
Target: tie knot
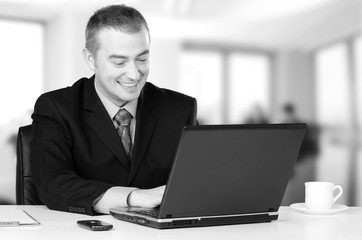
x,y
123,117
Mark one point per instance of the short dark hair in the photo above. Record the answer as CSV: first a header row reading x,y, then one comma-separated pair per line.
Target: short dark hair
x,y
119,17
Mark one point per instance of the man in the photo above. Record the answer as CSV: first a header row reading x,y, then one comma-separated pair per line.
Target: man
x,y
84,158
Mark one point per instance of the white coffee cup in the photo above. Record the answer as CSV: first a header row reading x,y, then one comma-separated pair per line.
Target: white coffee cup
x,y
320,195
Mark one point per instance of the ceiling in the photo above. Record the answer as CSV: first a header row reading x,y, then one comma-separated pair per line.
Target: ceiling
x,y
239,10
272,22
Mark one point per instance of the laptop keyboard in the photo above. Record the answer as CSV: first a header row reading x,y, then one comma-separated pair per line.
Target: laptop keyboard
x,y
153,212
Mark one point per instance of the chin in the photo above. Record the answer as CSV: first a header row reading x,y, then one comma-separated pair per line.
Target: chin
x,y
129,96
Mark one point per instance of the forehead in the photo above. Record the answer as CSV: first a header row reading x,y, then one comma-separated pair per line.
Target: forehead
x,y
113,41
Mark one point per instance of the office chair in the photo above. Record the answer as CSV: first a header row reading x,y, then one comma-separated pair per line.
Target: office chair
x,y
26,193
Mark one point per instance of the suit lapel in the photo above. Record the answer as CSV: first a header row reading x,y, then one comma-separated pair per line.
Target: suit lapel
x,y
145,126
101,124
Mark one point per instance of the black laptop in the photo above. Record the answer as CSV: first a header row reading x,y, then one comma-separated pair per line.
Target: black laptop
x,y
225,174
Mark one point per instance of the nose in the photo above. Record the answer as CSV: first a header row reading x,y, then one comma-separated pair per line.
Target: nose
x,y
132,71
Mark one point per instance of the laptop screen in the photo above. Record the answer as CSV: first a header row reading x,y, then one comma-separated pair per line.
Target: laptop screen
x,y
231,169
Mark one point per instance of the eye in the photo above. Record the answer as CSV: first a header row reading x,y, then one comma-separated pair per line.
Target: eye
x,y
142,59
119,63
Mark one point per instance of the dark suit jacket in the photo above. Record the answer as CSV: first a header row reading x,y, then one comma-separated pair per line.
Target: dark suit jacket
x,y
77,154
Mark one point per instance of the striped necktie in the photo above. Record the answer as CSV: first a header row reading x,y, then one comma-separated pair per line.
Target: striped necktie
x,y
123,119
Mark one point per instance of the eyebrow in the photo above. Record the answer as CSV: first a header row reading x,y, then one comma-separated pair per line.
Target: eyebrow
x,y
121,56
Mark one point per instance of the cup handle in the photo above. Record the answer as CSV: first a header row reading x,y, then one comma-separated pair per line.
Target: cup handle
x,y
339,194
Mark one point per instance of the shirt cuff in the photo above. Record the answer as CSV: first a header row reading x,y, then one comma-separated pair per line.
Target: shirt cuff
x,y
114,197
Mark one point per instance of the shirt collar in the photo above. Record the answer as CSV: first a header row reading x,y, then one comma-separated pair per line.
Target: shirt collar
x,y
112,108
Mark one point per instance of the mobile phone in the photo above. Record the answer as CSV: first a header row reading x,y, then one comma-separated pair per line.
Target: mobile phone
x,y
95,225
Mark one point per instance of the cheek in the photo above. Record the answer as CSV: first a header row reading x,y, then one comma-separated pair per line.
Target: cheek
x,y
142,65
144,68
109,71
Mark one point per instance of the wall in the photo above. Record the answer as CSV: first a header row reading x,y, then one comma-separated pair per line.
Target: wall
x,y
165,62
293,78
294,83
64,42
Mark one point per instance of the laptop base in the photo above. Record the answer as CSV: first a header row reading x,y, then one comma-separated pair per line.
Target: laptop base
x,y
197,222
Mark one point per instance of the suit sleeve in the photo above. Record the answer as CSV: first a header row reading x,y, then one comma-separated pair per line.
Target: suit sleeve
x,y
57,182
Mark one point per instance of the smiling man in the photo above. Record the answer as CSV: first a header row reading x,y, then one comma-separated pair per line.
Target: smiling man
x,y
109,140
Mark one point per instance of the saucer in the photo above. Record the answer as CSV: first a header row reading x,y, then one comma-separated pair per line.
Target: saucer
x,y
334,209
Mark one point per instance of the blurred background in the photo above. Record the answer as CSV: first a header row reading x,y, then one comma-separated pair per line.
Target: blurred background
x,y
246,61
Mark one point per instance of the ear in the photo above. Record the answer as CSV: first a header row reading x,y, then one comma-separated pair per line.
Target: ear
x,y
89,59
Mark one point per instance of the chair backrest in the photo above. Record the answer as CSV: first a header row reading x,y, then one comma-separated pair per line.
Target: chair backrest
x,y
26,193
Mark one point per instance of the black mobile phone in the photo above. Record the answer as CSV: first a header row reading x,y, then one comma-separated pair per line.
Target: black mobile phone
x,y
95,225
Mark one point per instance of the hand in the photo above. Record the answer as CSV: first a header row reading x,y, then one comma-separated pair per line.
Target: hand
x,y
148,198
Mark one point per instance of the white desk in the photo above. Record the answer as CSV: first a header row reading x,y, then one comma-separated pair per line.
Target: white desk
x,y
291,225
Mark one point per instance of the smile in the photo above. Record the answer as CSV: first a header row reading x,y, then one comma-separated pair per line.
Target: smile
x,y
128,84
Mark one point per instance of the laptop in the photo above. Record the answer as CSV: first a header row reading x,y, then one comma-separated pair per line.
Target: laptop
x,y
224,174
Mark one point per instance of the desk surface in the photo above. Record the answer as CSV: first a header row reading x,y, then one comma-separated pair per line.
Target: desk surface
x,y
291,224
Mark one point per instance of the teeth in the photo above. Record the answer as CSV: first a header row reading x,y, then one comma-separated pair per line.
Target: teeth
x,y
128,85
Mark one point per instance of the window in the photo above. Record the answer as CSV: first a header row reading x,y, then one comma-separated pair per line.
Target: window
x,y
249,85
21,61
333,105
201,78
358,64
21,58
338,69
227,83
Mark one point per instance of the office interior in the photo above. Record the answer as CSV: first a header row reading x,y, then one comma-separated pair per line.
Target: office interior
x,y
246,61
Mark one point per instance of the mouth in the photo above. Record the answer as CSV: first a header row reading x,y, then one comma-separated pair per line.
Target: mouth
x,y
129,85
